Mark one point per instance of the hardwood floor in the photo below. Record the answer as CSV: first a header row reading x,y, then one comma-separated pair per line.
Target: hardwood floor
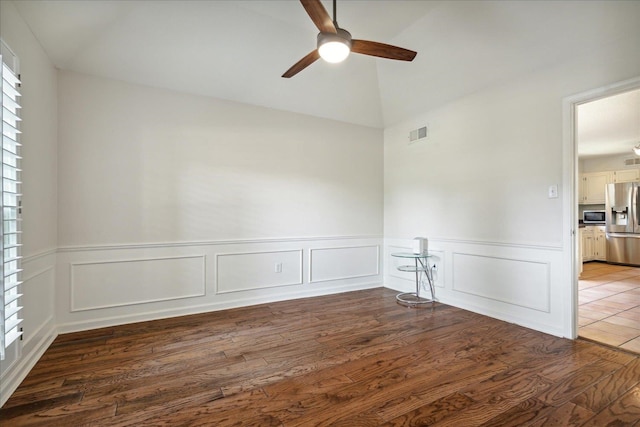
x,y
354,359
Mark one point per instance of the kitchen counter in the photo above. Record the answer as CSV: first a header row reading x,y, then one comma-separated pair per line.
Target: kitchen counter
x,y
583,225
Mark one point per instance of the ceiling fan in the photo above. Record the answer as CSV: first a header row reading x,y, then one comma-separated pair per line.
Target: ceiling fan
x,y
335,43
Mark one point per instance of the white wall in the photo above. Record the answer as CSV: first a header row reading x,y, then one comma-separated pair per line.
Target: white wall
x,y
39,130
477,187
172,203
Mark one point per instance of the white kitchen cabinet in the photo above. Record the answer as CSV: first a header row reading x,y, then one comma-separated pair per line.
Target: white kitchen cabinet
x,y
592,187
593,243
629,175
599,244
587,244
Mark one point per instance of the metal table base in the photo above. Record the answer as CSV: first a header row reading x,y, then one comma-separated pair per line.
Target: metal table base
x,y
414,299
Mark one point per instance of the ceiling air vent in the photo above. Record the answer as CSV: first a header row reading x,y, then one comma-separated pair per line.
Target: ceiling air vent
x,y
632,161
417,134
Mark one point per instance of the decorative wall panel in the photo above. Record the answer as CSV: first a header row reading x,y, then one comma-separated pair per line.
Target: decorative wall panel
x,y
115,283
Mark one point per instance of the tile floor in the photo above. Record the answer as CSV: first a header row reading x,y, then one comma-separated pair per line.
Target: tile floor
x,y
609,305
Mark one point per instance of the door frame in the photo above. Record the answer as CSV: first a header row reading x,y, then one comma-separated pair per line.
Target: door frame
x,y
570,179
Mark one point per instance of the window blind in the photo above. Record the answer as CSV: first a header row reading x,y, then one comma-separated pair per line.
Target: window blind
x,y
10,213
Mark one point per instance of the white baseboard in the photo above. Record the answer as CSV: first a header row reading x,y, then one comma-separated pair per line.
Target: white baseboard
x,y
205,308
17,373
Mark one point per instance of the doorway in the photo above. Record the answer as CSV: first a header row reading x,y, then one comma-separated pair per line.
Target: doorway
x,y
606,128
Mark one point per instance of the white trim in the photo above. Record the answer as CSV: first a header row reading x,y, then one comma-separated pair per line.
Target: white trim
x,y
208,243
506,317
37,273
308,292
538,246
18,371
29,336
300,277
343,277
73,309
548,284
570,202
39,255
259,252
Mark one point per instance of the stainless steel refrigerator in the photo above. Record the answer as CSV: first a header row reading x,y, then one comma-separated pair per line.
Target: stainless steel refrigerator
x,y
623,223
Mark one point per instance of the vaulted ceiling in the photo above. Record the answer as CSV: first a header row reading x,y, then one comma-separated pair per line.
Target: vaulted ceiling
x,y
237,50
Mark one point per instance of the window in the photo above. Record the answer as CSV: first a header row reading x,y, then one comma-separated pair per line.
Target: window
x,y
11,205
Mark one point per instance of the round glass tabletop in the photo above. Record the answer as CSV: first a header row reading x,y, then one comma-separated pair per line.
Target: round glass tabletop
x,y
412,255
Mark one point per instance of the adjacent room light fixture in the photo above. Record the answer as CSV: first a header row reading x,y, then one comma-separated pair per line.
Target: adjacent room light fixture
x,y
636,149
334,48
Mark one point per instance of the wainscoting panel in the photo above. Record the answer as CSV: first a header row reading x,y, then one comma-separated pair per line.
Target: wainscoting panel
x,y
38,290
247,271
39,327
104,284
518,283
100,286
512,281
343,263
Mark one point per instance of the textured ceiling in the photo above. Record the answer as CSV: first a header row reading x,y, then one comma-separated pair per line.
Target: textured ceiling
x,y
237,50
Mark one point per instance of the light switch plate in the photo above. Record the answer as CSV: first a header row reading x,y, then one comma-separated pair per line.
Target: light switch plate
x,y
553,191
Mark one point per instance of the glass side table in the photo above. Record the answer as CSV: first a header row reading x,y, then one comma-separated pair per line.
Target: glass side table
x,y
420,266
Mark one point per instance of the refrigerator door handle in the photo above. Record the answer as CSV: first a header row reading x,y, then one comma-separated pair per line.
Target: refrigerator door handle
x,y
634,208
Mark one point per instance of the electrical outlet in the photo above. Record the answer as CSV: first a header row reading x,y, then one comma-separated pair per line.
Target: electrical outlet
x,y
278,267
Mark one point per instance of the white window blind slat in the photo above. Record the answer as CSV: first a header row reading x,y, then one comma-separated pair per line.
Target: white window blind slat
x,y
11,285
13,334
10,197
10,131
10,91
10,104
11,298
9,116
11,272
11,172
9,75
10,145
8,158
15,258
12,311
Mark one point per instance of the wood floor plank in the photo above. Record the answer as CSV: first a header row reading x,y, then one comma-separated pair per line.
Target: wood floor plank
x,y
433,412
352,359
523,414
624,411
567,388
65,415
500,395
567,415
602,393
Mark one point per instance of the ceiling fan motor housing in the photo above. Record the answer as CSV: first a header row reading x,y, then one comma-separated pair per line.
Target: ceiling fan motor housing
x,y
342,36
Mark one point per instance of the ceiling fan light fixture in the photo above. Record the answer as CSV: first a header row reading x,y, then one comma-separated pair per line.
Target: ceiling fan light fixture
x,y
335,44
334,48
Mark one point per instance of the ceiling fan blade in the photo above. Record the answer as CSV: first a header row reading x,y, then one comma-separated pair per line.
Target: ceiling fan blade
x,y
302,64
382,50
319,15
